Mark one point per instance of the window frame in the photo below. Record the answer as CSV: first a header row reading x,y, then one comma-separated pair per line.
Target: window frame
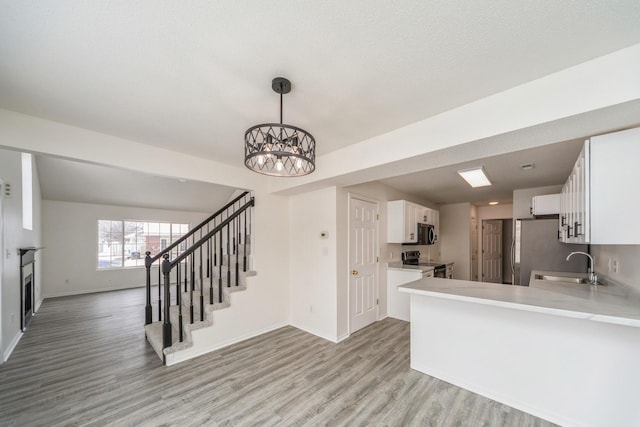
x,y
124,245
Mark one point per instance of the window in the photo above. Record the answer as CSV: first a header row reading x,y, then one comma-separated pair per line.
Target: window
x,y
124,243
27,192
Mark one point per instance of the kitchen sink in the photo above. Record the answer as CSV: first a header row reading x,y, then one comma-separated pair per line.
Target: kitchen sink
x,y
566,279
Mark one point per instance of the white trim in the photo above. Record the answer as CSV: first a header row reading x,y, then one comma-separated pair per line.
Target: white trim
x,y
351,195
342,338
89,291
12,346
309,331
172,359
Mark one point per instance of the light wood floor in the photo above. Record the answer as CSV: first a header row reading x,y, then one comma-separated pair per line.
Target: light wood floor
x,y
84,361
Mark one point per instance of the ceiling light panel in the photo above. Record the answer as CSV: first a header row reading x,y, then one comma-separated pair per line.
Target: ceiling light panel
x,y
476,177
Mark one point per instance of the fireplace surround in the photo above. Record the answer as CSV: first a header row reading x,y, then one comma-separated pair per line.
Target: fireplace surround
x,y
27,285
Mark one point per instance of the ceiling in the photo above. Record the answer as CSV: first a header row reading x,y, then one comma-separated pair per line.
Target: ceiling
x,y
553,164
72,181
193,76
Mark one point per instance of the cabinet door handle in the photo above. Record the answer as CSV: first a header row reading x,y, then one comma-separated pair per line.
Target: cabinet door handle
x,y
354,272
575,229
562,221
569,230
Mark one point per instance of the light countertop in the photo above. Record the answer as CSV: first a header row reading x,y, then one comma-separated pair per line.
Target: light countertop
x,y
609,304
398,266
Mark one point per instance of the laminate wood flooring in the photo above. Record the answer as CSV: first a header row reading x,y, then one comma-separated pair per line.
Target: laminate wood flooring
x,y
84,361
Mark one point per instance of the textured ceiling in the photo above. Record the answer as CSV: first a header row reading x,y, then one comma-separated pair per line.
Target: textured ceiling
x,y
192,76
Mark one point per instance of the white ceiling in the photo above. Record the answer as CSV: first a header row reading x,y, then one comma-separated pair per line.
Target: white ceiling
x,y
553,164
193,76
72,181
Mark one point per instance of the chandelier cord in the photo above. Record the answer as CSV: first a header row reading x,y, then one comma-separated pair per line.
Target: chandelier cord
x,y
280,103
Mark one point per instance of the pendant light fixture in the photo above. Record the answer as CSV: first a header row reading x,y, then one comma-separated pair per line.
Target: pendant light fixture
x,y
278,149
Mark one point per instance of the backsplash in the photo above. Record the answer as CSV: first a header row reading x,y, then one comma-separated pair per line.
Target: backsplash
x,y
627,258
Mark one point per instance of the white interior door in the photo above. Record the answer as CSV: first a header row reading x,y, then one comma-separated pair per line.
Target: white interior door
x,y
363,263
492,251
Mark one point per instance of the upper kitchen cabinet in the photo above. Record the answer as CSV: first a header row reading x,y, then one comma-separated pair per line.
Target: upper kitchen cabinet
x,y
596,206
575,223
403,218
402,221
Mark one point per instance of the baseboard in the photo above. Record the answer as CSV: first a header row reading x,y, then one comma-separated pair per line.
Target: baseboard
x,y
171,360
88,291
309,331
12,346
343,337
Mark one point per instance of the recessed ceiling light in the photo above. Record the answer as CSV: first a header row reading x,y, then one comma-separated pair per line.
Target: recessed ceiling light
x,y
493,203
528,166
476,177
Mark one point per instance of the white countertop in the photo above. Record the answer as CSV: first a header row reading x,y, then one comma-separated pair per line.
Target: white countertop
x,y
398,266
609,304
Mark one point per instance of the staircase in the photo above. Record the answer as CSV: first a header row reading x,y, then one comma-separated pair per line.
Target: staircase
x,y
195,276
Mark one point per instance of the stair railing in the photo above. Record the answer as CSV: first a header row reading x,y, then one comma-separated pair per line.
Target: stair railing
x,y
188,240
232,223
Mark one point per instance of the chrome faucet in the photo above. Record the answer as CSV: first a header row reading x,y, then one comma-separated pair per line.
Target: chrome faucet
x,y
593,279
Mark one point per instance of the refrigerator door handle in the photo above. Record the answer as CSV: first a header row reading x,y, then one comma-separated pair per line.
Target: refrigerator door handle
x,y
513,256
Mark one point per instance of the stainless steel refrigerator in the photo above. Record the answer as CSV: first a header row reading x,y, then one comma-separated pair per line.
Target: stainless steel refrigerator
x,y
536,246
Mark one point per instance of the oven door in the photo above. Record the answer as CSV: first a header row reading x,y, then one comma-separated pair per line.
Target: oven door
x,y
440,271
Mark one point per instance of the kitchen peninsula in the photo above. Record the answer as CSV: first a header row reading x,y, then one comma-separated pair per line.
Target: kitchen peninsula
x,y
564,352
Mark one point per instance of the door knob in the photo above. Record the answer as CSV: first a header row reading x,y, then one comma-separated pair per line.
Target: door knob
x,y
354,272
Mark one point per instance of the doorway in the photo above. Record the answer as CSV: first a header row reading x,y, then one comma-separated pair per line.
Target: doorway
x,y
363,262
492,251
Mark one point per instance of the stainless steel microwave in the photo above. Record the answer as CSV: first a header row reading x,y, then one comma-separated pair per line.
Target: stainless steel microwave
x,y
426,234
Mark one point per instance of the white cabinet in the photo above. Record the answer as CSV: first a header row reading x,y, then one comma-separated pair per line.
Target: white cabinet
x,y
403,218
402,226
398,303
435,221
598,201
574,221
548,204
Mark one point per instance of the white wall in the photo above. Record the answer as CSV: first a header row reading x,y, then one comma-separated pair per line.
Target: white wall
x,y
264,305
522,199
16,237
455,231
628,257
69,234
313,268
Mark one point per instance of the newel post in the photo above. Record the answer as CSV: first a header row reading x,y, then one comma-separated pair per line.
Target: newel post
x,y
147,309
166,326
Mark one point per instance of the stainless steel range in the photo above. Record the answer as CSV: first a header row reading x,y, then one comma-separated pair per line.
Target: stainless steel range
x,y
413,258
